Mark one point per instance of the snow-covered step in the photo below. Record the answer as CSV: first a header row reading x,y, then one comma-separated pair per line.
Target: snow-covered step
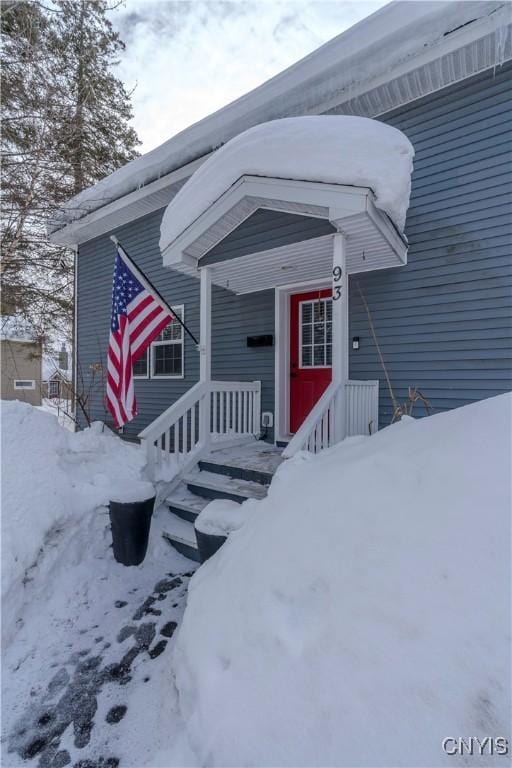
x,y
185,504
211,485
182,536
256,461
235,472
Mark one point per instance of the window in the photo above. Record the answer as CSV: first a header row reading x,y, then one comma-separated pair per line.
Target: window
x,y
24,384
167,350
164,359
141,367
316,333
54,388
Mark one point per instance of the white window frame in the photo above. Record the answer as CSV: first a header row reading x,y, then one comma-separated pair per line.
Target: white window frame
x,y
324,299
150,369
159,376
31,382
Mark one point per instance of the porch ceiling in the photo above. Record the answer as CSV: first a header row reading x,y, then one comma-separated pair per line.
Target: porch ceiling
x,y
372,241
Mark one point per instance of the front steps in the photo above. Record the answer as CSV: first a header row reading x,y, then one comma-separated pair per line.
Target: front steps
x,y
237,474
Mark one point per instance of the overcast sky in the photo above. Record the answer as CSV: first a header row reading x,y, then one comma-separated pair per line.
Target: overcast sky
x,y
187,58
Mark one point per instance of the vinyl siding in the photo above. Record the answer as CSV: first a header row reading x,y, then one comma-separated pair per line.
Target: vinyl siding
x,y
233,319
443,321
264,230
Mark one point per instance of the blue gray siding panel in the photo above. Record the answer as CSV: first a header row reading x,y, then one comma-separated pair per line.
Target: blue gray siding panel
x,y
443,321
233,318
267,229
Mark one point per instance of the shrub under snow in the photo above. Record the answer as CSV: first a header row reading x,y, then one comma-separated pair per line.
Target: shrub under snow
x,y
362,613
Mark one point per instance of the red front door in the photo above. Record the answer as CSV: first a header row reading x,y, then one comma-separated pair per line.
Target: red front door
x,y
310,351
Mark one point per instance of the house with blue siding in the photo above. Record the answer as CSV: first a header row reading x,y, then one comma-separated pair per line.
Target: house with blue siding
x,y
250,274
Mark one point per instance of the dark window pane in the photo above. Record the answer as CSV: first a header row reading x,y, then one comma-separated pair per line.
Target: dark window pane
x,y
319,356
306,334
140,368
319,311
328,360
306,357
173,331
167,360
319,334
306,312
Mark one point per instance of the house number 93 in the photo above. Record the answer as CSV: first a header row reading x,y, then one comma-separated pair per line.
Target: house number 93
x,y
336,283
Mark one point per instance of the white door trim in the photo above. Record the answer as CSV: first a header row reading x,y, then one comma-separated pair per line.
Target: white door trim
x,y
282,353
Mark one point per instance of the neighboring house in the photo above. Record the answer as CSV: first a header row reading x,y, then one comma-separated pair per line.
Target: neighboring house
x,y
57,377
438,71
21,356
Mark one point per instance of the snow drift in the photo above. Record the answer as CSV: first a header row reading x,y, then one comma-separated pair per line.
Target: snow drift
x,y
362,613
338,149
50,478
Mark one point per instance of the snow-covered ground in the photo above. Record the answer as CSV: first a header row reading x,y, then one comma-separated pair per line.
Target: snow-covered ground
x,y
336,149
358,616
61,409
82,635
362,613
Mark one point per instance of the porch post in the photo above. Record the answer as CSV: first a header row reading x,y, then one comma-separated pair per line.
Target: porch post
x,y
205,353
205,326
339,331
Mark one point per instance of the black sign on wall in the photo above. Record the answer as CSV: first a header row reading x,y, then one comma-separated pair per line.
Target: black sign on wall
x,y
266,340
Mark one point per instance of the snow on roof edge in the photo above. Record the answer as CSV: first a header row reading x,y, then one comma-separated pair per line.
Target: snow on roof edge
x,y
212,131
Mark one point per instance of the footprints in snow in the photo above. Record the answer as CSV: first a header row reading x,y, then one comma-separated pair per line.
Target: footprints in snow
x,y
72,699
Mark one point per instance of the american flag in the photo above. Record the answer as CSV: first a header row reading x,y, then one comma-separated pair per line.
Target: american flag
x,y
138,316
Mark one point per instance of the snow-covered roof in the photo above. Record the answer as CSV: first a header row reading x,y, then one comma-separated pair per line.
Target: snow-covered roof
x,y
13,328
51,367
334,149
400,53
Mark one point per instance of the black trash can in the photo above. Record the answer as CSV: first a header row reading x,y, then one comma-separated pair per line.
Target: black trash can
x,y
208,544
130,523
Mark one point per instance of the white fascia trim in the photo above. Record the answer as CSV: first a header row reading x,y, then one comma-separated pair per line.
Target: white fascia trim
x,y
70,233
395,239
468,33
347,52
287,190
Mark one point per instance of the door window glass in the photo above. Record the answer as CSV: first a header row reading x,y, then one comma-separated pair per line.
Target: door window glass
x,y
315,319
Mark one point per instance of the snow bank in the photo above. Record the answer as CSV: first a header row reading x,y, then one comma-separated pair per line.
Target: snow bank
x,y
363,613
51,477
338,149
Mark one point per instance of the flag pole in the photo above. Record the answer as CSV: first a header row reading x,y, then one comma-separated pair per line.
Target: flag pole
x,y
146,278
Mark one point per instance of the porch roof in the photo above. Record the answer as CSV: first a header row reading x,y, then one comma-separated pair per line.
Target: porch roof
x,y
372,240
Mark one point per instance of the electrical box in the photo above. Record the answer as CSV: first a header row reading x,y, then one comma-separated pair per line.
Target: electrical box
x,y
267,419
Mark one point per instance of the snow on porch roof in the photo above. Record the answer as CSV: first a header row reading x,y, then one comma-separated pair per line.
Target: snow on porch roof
x,y
333,149
352,171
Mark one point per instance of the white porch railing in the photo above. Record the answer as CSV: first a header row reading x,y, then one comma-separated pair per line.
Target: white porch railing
x,y
221,411
234,409
346,409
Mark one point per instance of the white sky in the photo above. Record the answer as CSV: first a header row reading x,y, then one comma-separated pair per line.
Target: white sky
x,y
188,58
